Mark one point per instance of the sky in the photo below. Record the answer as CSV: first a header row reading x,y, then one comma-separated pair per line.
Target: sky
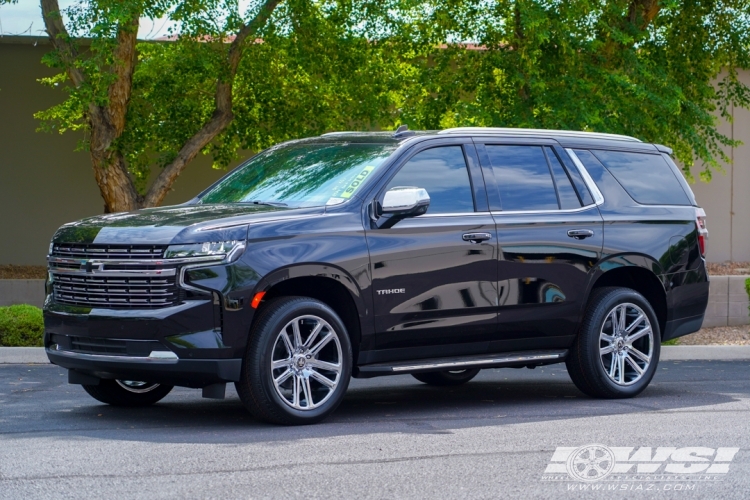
x,y
25,18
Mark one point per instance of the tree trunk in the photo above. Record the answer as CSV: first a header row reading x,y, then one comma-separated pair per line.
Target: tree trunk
x,y
107,121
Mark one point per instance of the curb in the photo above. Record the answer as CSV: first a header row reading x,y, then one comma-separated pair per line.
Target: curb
x,y
705,352
23,356
37,356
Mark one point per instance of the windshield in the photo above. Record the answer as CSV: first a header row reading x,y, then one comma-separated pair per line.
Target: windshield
x,y
301,175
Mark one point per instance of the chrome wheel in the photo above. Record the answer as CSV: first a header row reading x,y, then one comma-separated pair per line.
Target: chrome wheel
x,y
137,387
626,344
306,362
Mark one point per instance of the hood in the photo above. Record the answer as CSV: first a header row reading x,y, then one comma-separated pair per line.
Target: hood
x,y
176,224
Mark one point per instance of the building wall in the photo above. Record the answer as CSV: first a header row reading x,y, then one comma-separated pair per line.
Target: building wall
x,y
45,183
726,198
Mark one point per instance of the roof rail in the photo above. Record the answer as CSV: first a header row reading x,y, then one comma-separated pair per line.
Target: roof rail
x,y
536,131
342,132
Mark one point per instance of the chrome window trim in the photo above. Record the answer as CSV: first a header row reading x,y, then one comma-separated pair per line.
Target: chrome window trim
x,y
450,214
543,212
598,197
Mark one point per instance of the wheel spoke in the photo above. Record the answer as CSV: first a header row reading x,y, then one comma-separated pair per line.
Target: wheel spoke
x,y
281,363
282,378
621,318
635,323
297,336
639,354
323,379
606,350
308,392
635,366
295,396
324,365
613,366
608,338
320,345
640,333
621,368
287,343
313,334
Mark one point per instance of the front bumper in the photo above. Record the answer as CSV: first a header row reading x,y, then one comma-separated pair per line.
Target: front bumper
x,y
153,368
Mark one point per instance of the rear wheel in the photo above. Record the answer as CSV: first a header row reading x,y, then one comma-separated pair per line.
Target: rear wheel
x,y
298,362
127,392
617,349
452,377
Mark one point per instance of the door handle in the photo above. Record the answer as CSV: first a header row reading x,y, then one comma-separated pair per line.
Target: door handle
x,y
476,237
580,234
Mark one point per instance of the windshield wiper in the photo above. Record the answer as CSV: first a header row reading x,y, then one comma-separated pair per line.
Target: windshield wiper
x,y
269,203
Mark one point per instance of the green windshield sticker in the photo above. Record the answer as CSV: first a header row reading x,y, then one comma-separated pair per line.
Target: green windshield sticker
x,y
349,191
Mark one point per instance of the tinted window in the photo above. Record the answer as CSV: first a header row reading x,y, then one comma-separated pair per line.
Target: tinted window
x,y
568,197
523,178
301,175
647,178
575,176
442,172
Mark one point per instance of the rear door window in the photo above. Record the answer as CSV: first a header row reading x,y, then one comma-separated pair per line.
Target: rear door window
x,y
647,178
523,178
568,197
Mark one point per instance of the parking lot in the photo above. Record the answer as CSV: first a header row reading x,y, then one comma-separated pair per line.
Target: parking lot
x,y
391,438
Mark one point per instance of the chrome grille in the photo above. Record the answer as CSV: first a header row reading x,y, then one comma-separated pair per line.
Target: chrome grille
x,y
115,277
81,251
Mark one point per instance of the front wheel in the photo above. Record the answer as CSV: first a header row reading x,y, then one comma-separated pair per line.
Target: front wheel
x,y
298,362
127,392
618,345
453,377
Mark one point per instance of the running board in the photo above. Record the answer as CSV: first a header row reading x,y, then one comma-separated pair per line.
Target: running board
x,y
521,358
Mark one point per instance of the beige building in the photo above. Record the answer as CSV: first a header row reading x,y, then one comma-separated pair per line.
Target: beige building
x,y
45,183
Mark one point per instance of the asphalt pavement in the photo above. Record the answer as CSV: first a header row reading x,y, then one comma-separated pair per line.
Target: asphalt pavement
x,y
392,437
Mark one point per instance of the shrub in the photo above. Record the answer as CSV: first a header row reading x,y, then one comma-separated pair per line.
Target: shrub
x,y
747,289
21,326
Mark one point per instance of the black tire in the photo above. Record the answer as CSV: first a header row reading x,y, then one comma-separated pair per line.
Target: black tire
x,y
586,366
117,394
456,377
256,387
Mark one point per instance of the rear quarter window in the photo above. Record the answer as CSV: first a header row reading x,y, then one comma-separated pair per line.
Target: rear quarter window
x,y
647,178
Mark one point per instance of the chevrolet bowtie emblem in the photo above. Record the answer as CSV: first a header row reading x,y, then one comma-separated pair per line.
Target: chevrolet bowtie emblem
x,y
89,267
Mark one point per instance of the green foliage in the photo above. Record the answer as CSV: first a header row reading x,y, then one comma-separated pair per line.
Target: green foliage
x,y
21,326
747,289
671,342
583,65
316,66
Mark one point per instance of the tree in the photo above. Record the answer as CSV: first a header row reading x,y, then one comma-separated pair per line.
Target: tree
x,y
291,68
661,70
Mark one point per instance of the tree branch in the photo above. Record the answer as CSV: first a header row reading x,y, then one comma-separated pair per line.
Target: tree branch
x,y
124,66
222,115
61,40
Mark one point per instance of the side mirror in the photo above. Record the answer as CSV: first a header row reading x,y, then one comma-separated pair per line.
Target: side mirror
x,y
405,202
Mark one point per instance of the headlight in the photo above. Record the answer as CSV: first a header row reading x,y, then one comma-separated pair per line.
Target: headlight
x,y
229,250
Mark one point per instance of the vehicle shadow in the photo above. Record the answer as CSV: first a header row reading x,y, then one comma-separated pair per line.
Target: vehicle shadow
x,y
386,405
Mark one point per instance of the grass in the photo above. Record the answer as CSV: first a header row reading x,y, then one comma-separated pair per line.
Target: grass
x,y
671,342
21,326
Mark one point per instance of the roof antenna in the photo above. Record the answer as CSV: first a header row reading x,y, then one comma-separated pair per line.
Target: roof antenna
x,y
402,131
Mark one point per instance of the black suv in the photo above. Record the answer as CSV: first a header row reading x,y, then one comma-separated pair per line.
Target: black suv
x,y
434,254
